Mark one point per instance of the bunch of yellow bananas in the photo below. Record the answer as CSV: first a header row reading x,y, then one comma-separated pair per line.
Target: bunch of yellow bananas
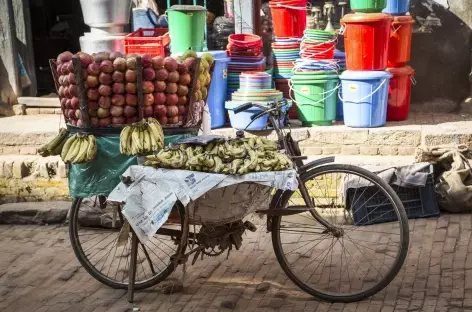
x,y
54,147
79,149
142,137
238,156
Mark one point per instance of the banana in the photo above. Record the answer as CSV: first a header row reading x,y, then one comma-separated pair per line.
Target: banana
x,y
252,142
218,165
181,160
57,150
189,152
136,146
92,149
152,158
82,154
141,137
147,140
198,150
153,139
245,167
236,152
252,156
124,140
71,152
235,164
269,145
57,140
209,147
156,134
209,161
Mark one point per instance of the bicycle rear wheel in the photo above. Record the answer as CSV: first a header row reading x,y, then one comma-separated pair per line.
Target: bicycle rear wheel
x,y
103,245
357,257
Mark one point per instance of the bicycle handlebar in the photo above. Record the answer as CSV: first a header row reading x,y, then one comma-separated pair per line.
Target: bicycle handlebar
x,y
243,107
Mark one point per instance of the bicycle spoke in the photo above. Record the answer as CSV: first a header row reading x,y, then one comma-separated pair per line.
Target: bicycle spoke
x,y
345,258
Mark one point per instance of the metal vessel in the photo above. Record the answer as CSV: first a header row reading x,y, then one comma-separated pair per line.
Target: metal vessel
x,y
94,43
106,13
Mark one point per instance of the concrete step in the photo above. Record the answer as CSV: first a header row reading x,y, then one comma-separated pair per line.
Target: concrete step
x,y
25,178
22,135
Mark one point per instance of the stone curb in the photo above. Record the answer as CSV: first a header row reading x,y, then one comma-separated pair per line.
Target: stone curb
x,y
40,213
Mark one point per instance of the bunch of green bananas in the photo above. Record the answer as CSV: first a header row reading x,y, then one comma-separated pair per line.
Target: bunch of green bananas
x,y
79,149
173,157
237,156
54,147
142,137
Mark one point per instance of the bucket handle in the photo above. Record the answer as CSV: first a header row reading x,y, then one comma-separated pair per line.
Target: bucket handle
x,y
413,80
324,98
365,97
342,29
395,29
294,7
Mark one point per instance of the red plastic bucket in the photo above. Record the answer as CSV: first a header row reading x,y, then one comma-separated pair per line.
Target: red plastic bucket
x,y
399,92
366,38
288,18
399,45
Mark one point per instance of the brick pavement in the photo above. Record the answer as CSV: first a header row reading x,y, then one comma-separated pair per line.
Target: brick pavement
x,y
39,272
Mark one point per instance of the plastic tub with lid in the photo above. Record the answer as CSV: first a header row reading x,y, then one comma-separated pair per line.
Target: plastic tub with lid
x,y
364,96
366,38
399,93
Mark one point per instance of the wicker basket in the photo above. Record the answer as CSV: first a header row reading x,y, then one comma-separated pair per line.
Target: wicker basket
x,y
194,108
229,204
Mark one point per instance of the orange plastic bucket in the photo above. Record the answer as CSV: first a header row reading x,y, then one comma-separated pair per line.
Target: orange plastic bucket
x,y
288,17
399,46
366,38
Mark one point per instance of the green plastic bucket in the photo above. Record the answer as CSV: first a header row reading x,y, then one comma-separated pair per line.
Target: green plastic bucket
x,y
316,98
368,6
186,28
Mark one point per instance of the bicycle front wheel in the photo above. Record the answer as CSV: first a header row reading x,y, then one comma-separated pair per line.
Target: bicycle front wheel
x,y
364,245
101,240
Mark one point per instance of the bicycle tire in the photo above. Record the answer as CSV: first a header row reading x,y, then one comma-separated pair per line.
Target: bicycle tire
x,y
404,230
93,271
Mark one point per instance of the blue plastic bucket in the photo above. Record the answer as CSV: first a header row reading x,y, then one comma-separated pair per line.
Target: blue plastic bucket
x,y
397,7
218,89
365,96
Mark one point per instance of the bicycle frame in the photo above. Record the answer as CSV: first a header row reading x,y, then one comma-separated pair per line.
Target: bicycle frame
x,y
289,146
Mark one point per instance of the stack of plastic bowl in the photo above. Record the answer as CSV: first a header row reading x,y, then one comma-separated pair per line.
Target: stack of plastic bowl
x,y
285,52
318,44
255,87
245,56
315,80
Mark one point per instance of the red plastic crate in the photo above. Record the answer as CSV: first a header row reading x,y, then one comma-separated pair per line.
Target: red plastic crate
x,y
153,41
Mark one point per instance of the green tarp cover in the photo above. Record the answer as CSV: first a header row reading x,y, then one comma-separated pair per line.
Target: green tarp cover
x,y
100,176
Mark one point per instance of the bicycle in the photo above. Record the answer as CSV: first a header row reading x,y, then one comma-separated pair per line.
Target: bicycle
x,y
307,230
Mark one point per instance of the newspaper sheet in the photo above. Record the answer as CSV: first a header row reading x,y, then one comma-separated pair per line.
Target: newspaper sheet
x,y
149,194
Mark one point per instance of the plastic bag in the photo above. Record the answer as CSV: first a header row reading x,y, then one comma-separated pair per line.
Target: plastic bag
x,y
100,176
